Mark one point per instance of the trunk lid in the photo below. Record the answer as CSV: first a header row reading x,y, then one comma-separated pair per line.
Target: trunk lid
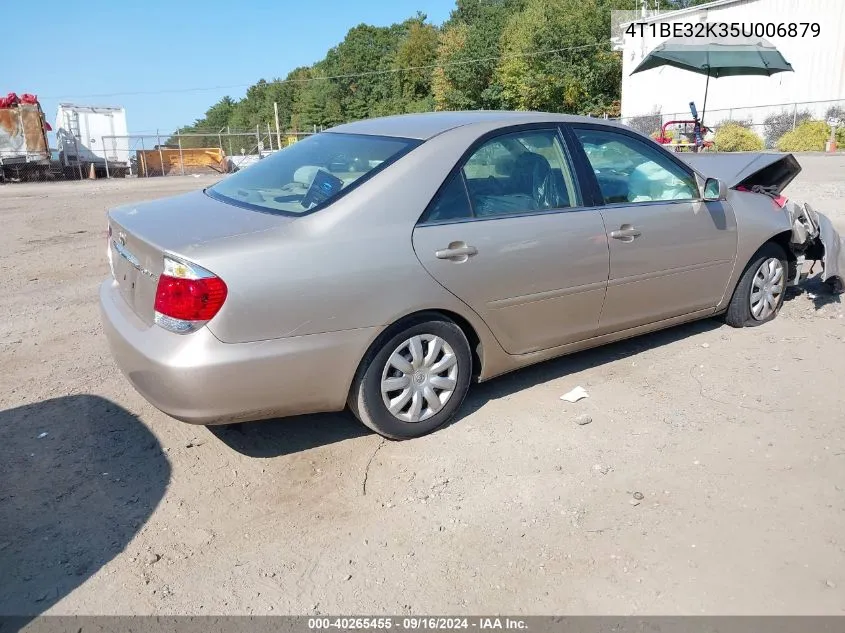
x,y
746,170
140,235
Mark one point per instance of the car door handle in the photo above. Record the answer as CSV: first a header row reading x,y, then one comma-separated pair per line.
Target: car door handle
x,y
460,251
626,233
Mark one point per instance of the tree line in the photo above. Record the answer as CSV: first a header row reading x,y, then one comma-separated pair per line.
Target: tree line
x,y
550,55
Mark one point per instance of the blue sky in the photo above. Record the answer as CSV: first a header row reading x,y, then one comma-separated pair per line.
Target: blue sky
x,y
73,51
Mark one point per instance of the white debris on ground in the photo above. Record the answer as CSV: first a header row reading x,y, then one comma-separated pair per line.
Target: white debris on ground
x,y
575,395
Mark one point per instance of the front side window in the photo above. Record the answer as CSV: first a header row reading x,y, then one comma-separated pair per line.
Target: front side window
x,y
520,172
310,173
629,170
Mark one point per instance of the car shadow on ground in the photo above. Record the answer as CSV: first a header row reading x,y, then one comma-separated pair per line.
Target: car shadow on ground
x,y
79,476
285,436
816,290
275,438
556,368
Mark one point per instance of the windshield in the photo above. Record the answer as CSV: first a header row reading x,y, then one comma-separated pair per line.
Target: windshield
x,y
310,173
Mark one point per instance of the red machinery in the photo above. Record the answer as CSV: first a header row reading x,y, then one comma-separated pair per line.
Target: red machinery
x,y
694,138
688,132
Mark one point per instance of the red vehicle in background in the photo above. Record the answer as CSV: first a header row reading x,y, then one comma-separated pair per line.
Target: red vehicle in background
x,y
693,132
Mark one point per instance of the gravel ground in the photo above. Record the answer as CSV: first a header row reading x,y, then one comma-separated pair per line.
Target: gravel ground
x,y
710,480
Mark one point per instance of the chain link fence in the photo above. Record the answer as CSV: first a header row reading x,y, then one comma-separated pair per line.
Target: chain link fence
x,y
770,123
224,151
146,155
180,154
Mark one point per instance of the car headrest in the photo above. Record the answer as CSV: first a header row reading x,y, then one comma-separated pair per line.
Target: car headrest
x,y
305,175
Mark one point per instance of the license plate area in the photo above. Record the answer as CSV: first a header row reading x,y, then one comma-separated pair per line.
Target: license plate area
x,y
126,268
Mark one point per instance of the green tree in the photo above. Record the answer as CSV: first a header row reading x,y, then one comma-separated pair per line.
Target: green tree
x,y
362,63
446,92
417,52
489,54
469,51
217,116
671,5
318,102
581,76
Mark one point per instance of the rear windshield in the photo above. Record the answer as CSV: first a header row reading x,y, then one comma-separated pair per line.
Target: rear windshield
x,y
309,174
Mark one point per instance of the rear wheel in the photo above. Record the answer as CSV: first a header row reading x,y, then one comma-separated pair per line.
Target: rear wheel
x,y
759,294
414,381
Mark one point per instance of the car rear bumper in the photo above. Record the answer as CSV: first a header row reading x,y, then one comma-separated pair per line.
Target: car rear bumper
x,y
197,378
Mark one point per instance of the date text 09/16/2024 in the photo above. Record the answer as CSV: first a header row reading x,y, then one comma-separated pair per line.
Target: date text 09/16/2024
x,y
416,623
723,29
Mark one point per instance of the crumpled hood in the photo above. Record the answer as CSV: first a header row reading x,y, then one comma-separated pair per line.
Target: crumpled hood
x,y
746,169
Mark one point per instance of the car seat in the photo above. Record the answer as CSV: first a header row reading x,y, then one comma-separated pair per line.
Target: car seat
x,y
533,177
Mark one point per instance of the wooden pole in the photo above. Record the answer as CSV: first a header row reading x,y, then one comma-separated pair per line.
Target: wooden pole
x,y
278,133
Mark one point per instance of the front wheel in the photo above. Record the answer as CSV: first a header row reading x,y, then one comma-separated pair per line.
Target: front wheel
x,y
759,294
413,382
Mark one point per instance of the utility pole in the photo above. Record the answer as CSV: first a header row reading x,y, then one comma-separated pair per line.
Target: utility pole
x,y
278,134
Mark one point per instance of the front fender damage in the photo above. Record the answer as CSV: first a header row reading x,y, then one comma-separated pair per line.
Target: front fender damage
x,y
815,239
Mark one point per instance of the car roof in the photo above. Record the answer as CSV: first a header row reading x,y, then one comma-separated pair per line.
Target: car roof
x,y
426,125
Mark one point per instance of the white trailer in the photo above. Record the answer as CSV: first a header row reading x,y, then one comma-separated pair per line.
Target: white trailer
x,y
84,138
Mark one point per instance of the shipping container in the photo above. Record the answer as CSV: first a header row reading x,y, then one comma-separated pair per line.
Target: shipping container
x,y
89,136
166,161
24,152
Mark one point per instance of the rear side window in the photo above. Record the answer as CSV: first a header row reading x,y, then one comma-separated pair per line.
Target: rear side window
x,y
630,171
311,173
515,173
520,172
451,203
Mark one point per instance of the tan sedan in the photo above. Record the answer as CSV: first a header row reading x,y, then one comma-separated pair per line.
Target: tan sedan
x,y
388,263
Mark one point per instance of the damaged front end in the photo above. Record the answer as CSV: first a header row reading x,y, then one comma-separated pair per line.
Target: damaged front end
x,y
813,238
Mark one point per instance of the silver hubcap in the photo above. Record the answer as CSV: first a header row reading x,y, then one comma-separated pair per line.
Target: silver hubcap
x,y
419,378
767,288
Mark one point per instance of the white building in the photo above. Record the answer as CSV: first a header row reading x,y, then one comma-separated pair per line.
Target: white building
x,y
819,64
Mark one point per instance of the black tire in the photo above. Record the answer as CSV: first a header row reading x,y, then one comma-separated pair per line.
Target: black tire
x,y
739,310
365,397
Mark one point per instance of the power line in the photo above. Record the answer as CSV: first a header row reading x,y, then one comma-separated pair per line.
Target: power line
x,y
368,73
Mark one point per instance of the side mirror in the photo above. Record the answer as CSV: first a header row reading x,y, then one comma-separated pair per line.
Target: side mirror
x,y
715,190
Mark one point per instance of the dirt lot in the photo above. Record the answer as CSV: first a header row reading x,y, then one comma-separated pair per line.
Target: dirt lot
x,y
735,439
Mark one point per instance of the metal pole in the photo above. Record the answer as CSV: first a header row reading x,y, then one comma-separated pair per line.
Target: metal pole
x,y
220,139
258,140
794,114
160,156
106,155
78,162
278,133
270,136
181,160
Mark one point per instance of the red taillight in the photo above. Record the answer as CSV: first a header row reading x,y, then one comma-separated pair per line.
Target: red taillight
x,y
187,296
190,299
